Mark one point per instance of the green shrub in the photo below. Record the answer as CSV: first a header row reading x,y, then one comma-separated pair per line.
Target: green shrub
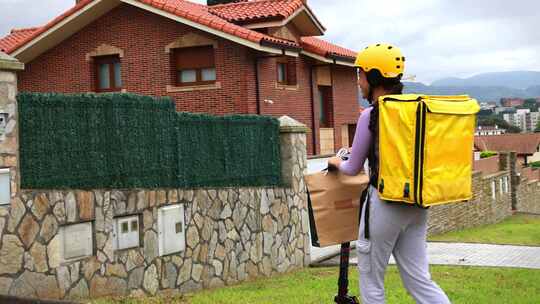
x,y
486,154
535,164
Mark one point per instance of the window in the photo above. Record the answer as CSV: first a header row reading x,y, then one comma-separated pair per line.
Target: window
x,y
286,70
108,74
194,65
126,232
325,107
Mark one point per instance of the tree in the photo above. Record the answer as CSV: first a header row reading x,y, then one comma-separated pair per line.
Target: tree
x,y
513,129
493,120
529,104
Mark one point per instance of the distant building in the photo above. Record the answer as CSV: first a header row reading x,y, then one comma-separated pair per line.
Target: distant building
x,y
499,110
512,102
488,105
489,130
523,119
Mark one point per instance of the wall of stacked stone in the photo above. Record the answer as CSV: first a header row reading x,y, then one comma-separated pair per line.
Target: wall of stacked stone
x,y
483,209
231,234
528,196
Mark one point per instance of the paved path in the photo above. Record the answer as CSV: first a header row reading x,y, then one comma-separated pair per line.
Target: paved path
x,y
469,255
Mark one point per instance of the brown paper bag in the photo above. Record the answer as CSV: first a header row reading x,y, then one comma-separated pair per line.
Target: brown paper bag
x,y
334,206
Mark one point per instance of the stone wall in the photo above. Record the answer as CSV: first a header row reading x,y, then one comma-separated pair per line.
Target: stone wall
x,y
528,196
481,210
231,234
487,165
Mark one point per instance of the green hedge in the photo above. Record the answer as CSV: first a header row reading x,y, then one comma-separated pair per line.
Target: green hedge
x,y
129,141
486,154
228,150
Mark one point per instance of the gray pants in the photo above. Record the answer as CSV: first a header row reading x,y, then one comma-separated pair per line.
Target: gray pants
x,y
399,230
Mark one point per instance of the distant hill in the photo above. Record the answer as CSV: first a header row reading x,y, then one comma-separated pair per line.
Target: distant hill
x,y
486,93
520,80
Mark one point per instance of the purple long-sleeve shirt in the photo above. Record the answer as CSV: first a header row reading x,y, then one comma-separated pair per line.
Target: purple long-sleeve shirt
x,y
360,148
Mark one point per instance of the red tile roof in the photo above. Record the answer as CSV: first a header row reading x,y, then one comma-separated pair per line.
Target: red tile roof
x,y
19,40
15,37
324,48
520,143
200,14
256,10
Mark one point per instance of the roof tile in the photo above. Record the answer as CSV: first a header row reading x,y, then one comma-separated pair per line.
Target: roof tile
x,y
216,17
325,48
256,10
526,143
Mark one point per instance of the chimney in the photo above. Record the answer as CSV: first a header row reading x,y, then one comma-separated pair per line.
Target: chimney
x,y
216,2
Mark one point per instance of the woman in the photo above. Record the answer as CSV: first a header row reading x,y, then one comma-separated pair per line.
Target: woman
x,y
392,228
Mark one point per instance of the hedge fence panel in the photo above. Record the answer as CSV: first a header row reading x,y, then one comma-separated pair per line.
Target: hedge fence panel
x,y
228,151
90,141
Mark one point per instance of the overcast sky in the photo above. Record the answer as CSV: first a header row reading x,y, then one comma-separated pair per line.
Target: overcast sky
x,y
440,38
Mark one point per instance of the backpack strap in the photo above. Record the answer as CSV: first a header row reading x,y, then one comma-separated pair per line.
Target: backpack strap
x,y
364,199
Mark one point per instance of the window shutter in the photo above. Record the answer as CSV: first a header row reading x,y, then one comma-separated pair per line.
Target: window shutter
x,y
291,70
195,57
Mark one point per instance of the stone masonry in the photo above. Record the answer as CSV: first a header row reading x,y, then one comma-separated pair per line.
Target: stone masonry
x,y
528,196
232,234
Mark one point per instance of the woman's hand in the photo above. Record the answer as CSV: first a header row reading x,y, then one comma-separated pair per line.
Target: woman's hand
x,y
333,163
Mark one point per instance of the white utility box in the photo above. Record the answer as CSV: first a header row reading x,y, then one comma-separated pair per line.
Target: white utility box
x,y
171,229
5,186
126,232
77,241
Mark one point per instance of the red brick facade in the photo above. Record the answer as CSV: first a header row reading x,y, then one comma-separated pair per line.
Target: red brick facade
x,y
147,69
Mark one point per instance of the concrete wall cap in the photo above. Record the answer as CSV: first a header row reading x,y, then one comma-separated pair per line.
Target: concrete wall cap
x,y
9,63
497,174
289,125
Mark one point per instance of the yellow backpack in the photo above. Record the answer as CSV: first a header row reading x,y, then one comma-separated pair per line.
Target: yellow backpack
x,y
426,148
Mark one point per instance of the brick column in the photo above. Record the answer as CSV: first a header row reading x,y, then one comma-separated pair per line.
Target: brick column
x,y
11,250
293,149
293,167
515,179
9,145
504,161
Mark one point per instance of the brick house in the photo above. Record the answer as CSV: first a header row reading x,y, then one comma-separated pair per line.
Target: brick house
x,y
246,57
526,146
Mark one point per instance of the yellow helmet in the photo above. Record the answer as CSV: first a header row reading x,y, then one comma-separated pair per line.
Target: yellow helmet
x,y
386,58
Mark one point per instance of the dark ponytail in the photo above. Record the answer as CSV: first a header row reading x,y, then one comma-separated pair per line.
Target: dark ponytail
x,y
390,85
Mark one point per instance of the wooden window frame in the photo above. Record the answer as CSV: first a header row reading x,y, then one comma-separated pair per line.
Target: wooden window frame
x,y
198,70
325,105
282,62
110,60
289,67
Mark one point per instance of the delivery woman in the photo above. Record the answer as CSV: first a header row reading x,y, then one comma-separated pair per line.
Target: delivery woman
x,y
392,228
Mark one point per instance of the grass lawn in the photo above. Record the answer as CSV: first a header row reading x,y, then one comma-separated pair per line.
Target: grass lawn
x,y
318,285
520,229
